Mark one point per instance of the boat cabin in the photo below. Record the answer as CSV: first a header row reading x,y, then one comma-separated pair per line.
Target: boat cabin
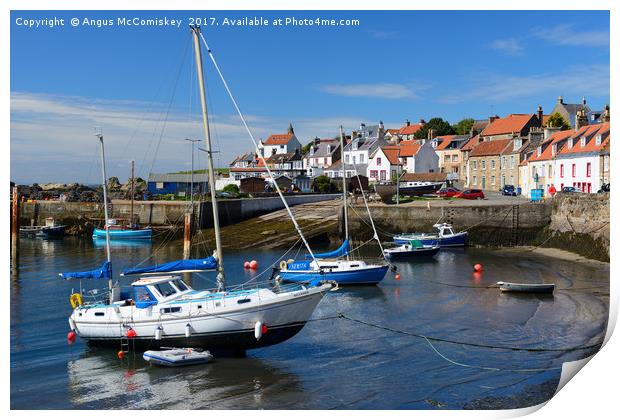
x,y
444,229
150,291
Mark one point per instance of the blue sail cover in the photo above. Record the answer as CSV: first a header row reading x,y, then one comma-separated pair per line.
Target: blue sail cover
x,y
340,252
175,266
105,272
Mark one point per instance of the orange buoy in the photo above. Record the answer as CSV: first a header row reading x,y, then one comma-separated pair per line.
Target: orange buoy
x,y
120,354
71,337
253,264
131,333
478,267
397,276
246,265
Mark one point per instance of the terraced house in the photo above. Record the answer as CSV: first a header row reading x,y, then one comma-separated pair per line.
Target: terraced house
x,y
484,164
448,148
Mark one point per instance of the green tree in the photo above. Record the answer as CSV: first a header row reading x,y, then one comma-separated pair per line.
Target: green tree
x,y
556,120
439,127
323,183
464,126
231,188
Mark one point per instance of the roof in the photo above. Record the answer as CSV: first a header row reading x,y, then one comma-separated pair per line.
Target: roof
x,y
249,169
276,139
423,177
283,157
409,129
391,153
471,143
547,145
320,150
392,131
444,142
198,178
409,148
513,123
490,148
480,125
590,132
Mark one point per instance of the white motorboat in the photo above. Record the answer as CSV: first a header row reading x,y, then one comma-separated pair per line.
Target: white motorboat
x,y
411,250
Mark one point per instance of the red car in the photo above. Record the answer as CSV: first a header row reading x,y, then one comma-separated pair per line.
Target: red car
x,y
447,192
470,195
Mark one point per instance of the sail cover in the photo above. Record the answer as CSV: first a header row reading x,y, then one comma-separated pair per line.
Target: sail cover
x,y
340,252
178,266
105,272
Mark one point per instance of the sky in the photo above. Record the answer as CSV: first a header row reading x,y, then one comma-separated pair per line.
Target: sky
x,y
138,83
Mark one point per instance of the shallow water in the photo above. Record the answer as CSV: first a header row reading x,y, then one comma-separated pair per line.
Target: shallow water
x,y
333,363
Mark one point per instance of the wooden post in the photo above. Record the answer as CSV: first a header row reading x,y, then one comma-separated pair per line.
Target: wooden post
x,y
15,227
187,236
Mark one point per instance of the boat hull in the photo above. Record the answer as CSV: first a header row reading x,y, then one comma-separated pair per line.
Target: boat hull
x,y
124,233
367,276
388,191
425,252
43,231
180,357
525,288
456,240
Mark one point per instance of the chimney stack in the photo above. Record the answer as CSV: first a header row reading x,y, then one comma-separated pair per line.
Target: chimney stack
x,y
422,121
560,100
583,101
582,119
540,115
493,118
605,116
407,123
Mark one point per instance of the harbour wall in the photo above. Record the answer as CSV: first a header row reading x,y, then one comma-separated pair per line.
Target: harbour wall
x,y
576,223
83,217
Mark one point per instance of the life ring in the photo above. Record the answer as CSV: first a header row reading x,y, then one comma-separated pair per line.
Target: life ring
x,y
75,300
283,265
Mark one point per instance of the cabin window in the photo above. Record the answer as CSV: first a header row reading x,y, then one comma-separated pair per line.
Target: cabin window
x,y
240,301
170,310
99,313
165,289
180,285
143,297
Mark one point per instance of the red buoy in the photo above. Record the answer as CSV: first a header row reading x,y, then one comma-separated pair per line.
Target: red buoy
x,y
246,265
264,329
253,264
131,333
71,337
478,267
397,276
120,354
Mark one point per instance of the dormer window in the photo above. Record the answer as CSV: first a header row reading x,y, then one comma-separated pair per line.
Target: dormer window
x,y
517,144
554,149
583,142
570,142
329,149
539,150
599,139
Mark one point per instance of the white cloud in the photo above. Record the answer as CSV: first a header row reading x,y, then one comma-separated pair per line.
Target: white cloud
x,y
372,90
52,136
568,35
510,46
576,80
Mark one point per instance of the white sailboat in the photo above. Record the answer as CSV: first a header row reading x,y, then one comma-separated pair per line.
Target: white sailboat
x,y
161,310
336,265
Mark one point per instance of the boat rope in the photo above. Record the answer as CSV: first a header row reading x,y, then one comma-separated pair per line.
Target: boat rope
x,y
464,343
260,154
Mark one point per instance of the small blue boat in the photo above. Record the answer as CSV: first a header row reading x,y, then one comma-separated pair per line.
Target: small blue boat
x,y
145,233
445,237
330,266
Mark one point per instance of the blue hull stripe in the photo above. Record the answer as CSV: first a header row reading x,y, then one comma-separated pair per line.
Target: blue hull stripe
x,y
457,240
124,234
369,276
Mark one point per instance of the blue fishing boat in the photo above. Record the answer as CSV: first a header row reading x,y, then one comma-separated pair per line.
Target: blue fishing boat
x,y
445,237
125,234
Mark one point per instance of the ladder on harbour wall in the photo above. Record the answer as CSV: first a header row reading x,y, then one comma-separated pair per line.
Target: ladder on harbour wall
x,y
514,229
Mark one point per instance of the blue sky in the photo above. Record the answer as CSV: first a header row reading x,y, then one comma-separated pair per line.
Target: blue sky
x,y
138,83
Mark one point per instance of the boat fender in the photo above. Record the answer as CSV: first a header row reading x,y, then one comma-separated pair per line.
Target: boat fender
x,y
75,300
188,330
158,331
258,330
131,333
71,337
283,265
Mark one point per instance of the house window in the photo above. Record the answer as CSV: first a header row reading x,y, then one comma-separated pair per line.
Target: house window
x,y
512,179
503,162
378,161
562,171
554,149
483,164
455,158
512,162
346,158
574,170
599,139
493,180
475,164
281,146
538,150
382,175
588,169
549,171
373,174
475,180
493,165
361,158
583,142
570,142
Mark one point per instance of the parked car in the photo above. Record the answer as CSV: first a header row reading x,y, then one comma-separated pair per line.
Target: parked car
x,y
448,192
470,195
571,190
604,188
509,190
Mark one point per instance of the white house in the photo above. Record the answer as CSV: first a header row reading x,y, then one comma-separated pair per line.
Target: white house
x,y
384,164
577,164
363,143
322,154
279,144
419,156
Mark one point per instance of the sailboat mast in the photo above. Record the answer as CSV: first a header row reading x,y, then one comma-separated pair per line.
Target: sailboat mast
x,y
105,204
205,123
344,187
132,193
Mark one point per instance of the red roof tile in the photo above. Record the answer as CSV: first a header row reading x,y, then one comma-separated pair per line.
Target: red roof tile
x,y
513,123
409,148
590,132
409,129
471,143
391,152
490,148
547,145
276,139
444,141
